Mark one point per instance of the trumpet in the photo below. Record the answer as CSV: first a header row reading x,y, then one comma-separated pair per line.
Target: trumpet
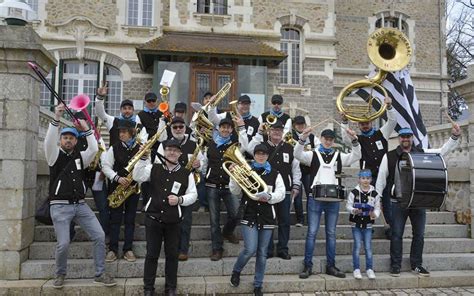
x,y
189,165
288,138
164,106
269,121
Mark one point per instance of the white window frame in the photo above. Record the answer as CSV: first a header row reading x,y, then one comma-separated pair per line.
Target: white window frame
x,y
289,59
114,78
140,14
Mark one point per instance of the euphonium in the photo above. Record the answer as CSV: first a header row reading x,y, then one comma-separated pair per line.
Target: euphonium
x,y
242,173
121,193
389,50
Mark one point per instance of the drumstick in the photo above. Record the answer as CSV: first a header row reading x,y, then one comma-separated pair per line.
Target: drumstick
x,y
343,127
445,111
319,123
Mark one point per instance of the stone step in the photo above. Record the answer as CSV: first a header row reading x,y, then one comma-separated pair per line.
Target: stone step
x,y
84,268
197,249
202,232
203,218
211,285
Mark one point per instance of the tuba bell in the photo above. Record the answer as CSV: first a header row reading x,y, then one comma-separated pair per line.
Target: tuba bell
x,y
242,173
389,50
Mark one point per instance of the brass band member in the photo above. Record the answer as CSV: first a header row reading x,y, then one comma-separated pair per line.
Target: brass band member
x,y
178,133
299,125
172,186
150,115
67,192
217,186
258,218
324,164
385,180
282,160
277,111
114,162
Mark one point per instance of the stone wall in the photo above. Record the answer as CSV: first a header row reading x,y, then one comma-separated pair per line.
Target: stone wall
x,y
136,88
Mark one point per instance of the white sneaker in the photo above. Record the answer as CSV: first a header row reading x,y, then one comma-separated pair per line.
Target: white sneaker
x,y
357,274
370,274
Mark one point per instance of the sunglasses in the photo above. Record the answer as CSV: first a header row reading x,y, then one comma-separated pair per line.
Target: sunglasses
x,y
405,136
276,103
178,126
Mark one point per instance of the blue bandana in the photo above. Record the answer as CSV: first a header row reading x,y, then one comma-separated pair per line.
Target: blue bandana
x,y
219,140
132,118
369,133
365,173
130,142
266,166
154,110
246,116
276,113
325,150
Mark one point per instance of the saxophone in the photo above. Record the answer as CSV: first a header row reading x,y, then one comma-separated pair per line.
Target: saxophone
x,y
95,162
189,165
121,193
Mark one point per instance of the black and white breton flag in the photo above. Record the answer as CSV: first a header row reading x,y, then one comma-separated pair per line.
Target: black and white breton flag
x,y
400,88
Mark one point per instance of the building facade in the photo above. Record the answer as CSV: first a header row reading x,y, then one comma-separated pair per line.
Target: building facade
x,y
305,50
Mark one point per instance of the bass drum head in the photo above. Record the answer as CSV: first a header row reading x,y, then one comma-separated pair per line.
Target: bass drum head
x,y
331,193
423,181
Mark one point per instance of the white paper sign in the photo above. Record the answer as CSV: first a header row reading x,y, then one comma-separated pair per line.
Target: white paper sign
x,y
167,78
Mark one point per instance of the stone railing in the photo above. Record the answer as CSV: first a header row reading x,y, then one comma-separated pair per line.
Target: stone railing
x,y
457,163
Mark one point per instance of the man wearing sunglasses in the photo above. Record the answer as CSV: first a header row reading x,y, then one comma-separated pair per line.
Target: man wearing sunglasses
x,y
386,179
276,110
187,146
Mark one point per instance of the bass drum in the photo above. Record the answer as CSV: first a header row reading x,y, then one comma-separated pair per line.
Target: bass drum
x,y
423,180
329,192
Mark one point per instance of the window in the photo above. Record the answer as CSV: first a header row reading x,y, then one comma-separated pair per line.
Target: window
x,y
114,79
392,22
34,5
140,13
212,6
45,94
290,68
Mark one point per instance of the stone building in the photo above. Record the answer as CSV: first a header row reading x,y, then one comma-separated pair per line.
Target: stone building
x,y
209,42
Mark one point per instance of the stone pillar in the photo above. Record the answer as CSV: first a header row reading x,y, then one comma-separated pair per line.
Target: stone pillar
x,y
465,88
19,118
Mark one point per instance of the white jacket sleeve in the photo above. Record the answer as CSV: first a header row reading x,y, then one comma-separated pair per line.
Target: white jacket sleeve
x,y
345,137
215,117
257,139
279,191
316,141
377,208
288,126
449,146
389,126
51,148
355,155
161,124
190,195
107,161
296,172
107,119
234,188
305,157
92,148
142,170
350,203
243,139
382,175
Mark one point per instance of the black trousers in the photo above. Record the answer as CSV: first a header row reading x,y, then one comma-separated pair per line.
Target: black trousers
x,y
156,233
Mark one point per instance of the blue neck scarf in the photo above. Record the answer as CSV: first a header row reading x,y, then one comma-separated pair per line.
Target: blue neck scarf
x,y
325,150
132,118
246,116
276,113
130,142
219,140
369,133
154,110
265,166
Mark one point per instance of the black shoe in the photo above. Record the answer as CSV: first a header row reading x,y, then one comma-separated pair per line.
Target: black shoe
x,y
334,271
284,256
395,271
421,271
307,271
149,293
258,291
235,279
171,292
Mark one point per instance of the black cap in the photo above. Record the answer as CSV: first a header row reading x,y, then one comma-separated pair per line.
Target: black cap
x,y
126,103
80,115
260,148
208,94
299,120
277,99
172,143
328,133
277,124
125,124
226,120
244,99
177,119
151,96
180,107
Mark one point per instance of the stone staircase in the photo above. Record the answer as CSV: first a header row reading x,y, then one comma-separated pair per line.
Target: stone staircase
x,y
448,254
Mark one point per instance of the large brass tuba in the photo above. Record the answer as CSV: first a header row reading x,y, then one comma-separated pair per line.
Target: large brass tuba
x,y
242,173
389,50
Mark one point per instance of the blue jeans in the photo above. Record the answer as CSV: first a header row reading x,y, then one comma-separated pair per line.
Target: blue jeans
x,y
306,182
418,221
331,213
185,229
365,235
101,202
62,215
130,208
283,216
255,242
231,202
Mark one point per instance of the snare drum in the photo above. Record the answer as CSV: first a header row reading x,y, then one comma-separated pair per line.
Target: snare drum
x,y
329,192
423,180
